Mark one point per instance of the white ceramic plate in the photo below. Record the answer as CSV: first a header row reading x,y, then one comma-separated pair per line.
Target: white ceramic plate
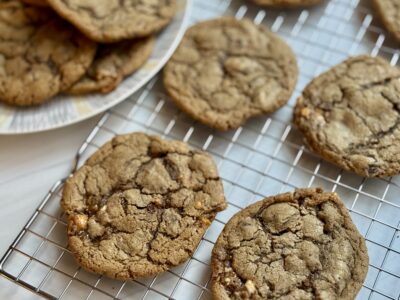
x,y
65,110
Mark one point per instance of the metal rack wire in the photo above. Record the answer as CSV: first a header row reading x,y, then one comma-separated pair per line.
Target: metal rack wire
x,y
264,157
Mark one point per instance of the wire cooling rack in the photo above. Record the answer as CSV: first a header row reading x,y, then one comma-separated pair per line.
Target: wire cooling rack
x,y
264,157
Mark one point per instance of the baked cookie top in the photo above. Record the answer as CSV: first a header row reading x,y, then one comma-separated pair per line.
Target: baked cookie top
x,y
140,205
300,245
112,63
114,20
226,71
389,12
350,115
286,3
40,54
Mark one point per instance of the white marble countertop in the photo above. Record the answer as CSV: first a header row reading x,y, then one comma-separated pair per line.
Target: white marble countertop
x,y
29,166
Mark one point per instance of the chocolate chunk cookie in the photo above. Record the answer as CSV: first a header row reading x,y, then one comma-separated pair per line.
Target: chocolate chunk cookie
x,y
112,63
140,205
286,3
300,245
40,55
350,116
389,12
113,20
226,71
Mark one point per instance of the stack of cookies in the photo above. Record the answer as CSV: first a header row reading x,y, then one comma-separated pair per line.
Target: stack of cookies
x,y
53,46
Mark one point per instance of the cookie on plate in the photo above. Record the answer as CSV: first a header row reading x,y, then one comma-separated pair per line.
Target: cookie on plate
x,y
286,3
350,115
112,63
300,245
389,12
40,54
226,71
140,205
111,21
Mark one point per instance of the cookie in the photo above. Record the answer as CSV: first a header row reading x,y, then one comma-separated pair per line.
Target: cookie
x,y
112,63
350,116
111,20
226,71
40,54
36,2
286,3
389,13
300,245
140,205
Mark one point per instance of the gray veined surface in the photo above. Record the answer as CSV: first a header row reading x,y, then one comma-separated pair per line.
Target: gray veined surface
x,y
264,157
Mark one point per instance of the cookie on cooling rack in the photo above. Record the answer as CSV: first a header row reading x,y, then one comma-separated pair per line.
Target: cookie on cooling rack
x,y
350,115
140,205
40,54
112,63
286,3
300,245
226,71
111,21
389,12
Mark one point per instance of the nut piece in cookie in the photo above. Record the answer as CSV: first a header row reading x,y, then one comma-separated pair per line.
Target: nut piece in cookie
x,y
389,12
140,205
226,71
112,63
40,54
286,3
109,21
350,115
300,245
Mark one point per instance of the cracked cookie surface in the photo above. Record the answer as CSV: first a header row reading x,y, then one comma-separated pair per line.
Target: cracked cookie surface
x,y
300,245
226,71
350,115
114,20
40,54
389,12
140,205
286,3
112,63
